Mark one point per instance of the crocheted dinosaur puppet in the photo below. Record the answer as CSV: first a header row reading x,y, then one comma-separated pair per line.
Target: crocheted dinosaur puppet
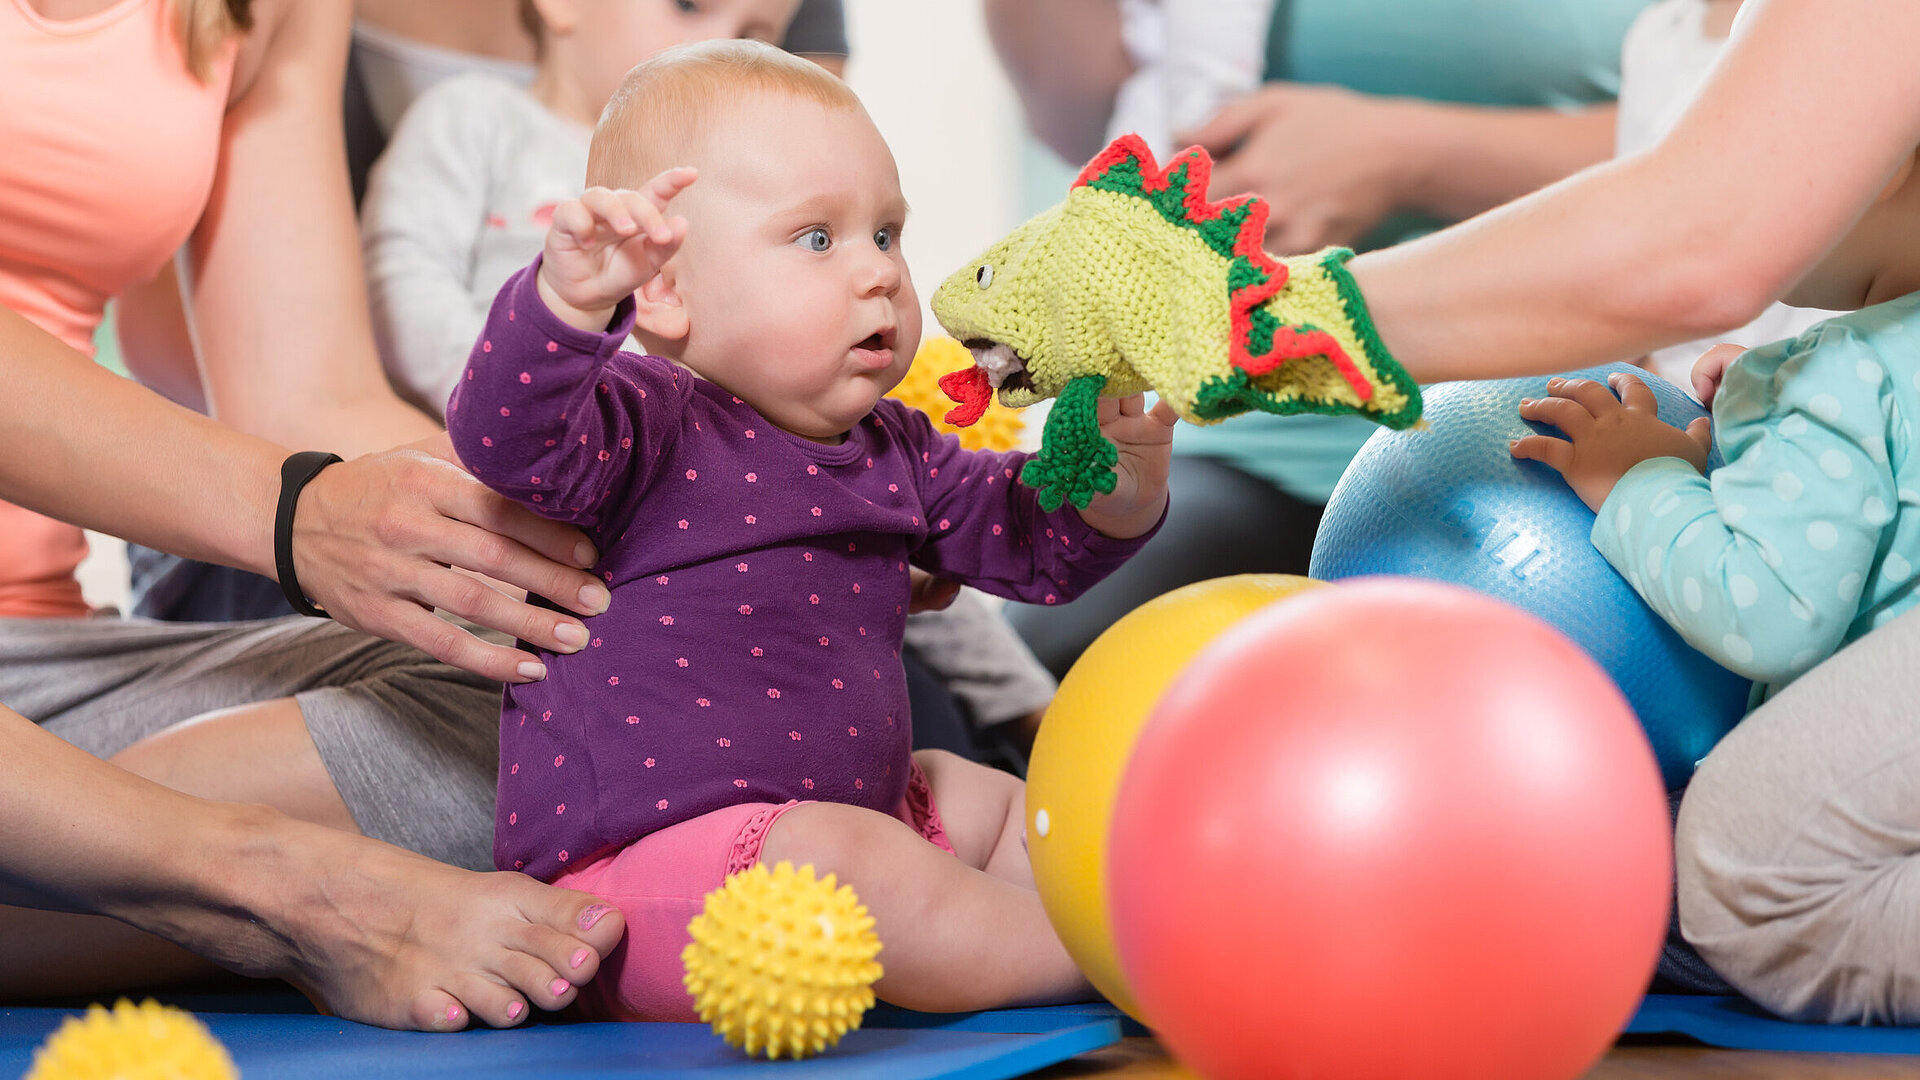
x,y
1138,282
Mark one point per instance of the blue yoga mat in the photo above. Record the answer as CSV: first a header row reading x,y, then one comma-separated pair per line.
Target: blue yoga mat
x,y
1738,1024
893,1044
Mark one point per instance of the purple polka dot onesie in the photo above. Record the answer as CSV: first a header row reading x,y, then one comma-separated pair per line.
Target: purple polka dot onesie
x,y
752,649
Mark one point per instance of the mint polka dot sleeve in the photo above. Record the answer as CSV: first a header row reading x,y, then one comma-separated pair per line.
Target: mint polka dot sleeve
x,y
1764,566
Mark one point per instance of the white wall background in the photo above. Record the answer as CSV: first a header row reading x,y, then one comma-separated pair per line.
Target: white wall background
x,y
928,76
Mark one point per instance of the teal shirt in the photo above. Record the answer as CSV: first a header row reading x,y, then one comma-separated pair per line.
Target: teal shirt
x,y
1557,53
1809,536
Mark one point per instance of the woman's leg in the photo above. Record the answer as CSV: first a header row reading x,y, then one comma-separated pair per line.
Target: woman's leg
x,y
1799,841
380,740
956,933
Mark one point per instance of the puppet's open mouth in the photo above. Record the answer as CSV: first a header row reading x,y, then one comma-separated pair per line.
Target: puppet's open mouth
x,y
1005,369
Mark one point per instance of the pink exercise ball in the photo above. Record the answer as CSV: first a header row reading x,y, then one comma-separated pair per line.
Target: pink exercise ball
x,y
1392,828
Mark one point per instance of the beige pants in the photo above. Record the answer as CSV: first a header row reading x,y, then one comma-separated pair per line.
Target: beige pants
x,y
1799,841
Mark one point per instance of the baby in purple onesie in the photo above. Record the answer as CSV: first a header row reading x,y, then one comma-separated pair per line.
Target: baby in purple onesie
x,y
757,506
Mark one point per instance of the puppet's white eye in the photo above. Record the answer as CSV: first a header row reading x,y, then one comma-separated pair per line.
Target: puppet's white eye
x,y
984,275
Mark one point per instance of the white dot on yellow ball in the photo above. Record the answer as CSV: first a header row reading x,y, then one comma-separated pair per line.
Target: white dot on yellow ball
x,y
1041,824
1787,486
1821,536
1836,464
1825,406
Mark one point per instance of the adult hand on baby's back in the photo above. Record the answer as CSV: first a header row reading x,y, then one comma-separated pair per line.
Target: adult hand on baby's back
x,y
606,244
1329,162
930,593
1606,436
375,541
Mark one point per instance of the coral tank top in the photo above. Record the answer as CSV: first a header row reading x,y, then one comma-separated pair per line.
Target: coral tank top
x,y
111,146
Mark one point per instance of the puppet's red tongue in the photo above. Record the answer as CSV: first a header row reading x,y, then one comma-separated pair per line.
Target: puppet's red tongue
x,y
969,387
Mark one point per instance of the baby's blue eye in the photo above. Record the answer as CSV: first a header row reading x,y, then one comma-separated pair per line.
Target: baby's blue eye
x,y
817,239
884,239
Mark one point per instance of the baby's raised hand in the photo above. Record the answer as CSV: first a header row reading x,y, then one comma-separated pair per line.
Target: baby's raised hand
x,y
1606,436
607,243
1144,438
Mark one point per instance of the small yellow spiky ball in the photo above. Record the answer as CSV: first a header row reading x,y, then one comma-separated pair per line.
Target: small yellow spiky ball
x,y
781,963
998,429
148,1041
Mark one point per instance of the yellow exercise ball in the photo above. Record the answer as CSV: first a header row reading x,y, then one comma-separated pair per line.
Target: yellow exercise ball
x,y
1087,736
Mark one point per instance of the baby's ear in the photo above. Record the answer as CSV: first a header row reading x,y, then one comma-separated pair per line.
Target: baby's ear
x,y
659,313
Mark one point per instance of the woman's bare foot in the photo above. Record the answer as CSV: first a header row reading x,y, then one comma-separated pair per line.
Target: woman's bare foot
x,y
378,934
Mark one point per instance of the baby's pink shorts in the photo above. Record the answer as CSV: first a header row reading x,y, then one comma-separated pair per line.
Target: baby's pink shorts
x,y
661,881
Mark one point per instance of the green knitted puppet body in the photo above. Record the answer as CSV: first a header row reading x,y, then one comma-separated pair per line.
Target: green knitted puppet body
x,y
1137,282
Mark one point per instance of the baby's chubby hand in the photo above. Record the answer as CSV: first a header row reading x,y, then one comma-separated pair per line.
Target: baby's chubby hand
x,y
606,244
1144,438
1711,368
1606,436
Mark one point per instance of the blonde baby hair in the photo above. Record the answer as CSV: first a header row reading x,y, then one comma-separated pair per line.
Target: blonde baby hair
x,y
651,122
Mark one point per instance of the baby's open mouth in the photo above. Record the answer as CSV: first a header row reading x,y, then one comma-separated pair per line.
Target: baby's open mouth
x,y
872,341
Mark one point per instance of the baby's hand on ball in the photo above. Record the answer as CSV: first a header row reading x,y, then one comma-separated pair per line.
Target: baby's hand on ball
x,y
1605,435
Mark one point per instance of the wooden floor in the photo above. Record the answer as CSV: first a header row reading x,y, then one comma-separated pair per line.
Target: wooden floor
x,y
1636,1058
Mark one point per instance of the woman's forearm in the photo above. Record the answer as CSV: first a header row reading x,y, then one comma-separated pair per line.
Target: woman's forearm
x,y
1468,159
1757,181
82,444
1067,61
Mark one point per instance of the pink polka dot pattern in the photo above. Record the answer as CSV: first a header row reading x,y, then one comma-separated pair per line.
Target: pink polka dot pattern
x,y
642,465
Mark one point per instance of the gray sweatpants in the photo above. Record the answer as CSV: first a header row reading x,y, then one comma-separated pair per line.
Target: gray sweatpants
x,y
410,743
1799,841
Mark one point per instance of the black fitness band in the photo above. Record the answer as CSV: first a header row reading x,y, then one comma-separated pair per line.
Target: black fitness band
x,y
295,473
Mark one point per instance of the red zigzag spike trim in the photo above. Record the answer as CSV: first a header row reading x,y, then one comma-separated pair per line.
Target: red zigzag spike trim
x,y
1288,344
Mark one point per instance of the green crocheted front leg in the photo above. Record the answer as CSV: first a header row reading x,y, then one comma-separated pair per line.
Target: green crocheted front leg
x,y
1075,462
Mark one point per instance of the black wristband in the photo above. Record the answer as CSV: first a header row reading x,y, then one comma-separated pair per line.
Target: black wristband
x,y
295,473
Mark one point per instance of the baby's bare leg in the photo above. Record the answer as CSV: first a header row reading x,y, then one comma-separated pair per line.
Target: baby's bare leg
x,y
985,813
953,937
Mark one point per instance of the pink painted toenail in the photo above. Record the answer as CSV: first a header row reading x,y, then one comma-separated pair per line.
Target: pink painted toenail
x,y
514,1010
593,915
453,1013
580,956
560,986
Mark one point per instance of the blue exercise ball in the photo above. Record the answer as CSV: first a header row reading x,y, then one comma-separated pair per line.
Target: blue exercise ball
x,y
1450,503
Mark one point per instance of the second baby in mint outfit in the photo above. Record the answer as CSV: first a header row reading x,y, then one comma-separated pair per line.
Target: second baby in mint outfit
x,y
1809,536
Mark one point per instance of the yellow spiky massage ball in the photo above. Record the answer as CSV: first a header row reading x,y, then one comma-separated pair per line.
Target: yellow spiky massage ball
x,y
999,428
148,1041
782,963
